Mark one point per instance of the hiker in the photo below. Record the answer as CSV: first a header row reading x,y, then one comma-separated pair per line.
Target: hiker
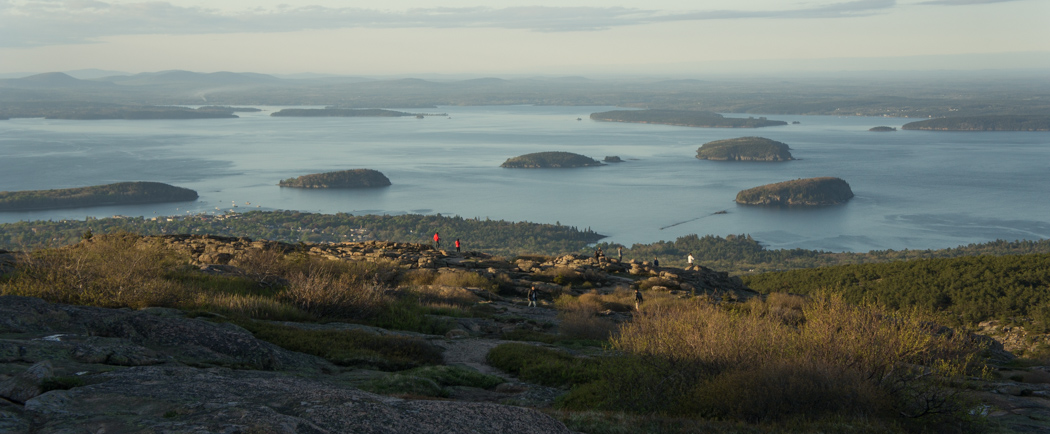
x,y
690,259
637,299
601,255
619,253
457,247
533,295
437,240
656,262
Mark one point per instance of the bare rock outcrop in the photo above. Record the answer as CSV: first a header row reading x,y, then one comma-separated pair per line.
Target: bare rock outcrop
x,y
37,330
182,399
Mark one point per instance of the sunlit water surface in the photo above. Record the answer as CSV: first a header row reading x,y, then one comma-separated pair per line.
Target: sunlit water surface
x,y
914,189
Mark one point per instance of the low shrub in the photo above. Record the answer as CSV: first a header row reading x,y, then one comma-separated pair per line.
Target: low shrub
x,y
405,313
584,324
695,358
114,270
249,306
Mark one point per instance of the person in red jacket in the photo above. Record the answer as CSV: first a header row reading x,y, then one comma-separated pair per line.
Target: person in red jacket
x,y
457,245
437,240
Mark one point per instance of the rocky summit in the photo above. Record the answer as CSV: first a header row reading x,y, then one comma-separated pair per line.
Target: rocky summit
x,y
72,369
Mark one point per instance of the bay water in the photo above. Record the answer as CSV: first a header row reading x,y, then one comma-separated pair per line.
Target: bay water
x,y
914,189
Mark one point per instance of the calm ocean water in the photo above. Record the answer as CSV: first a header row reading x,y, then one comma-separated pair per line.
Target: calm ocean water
x,y
913,189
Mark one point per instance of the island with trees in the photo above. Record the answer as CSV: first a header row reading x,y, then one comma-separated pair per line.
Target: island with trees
x,y
341,113
121,193
353,178
105,111
800,192
541,160
684,118
745,149
882,129
983,123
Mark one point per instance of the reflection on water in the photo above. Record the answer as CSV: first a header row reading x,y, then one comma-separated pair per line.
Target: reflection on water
x,y
913,189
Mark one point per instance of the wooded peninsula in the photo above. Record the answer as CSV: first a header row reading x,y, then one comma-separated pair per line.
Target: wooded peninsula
x,y
683,118
342,113
121,193
983,123
101,111
354,178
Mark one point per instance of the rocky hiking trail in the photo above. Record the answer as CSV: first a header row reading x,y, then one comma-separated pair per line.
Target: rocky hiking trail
x,y
160,370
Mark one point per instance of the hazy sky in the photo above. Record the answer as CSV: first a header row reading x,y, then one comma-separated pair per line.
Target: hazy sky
x,y
521,36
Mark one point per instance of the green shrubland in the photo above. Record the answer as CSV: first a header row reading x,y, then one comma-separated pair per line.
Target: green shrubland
x,y
783,360
967,289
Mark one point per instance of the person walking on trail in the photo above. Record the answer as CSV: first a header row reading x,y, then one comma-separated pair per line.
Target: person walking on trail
x,y
637,299
457,245
690,259
437,240
533,295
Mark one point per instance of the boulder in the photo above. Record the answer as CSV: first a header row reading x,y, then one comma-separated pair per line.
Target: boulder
x,y
26,386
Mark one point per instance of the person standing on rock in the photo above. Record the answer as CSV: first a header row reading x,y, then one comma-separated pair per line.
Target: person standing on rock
x,y
690,259
656,262
619,253
457,245
533,295
638,299
437,240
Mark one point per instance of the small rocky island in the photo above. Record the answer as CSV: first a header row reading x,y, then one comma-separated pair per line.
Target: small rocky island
x,y
684,118
354,178
121,193
542,160
613,159
800,192
745,149
882,129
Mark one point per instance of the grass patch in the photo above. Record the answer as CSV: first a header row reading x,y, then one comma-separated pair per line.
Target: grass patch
x,y
349,347
432,381
543,365
60,383
596,422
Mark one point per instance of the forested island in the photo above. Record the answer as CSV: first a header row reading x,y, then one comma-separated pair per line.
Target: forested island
x,y
983,123
540,160
121,193
745,149
683,118
354,178
799,192
342,113
102,111
882,129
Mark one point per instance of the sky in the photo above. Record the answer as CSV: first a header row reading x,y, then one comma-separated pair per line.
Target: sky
x,y
508,37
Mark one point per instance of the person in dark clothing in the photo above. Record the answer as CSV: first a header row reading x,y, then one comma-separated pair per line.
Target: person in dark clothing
x,y
656,262
637,299
457,244
533,296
